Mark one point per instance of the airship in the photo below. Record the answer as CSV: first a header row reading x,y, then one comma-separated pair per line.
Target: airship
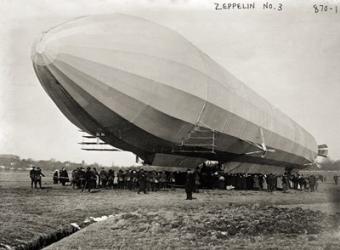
x,y
144,88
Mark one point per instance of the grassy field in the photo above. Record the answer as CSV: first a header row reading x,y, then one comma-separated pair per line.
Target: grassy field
x,y
216,219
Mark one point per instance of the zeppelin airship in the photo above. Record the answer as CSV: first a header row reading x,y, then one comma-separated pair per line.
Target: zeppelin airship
x,y
144,88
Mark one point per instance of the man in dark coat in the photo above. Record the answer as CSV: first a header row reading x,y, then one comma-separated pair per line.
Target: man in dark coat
x,y
75,178
285,182
82,178
103,177
90,180
271,182
312,182
32,176
189,183
38,175
63,176
110,178
141,181
120,176
56,177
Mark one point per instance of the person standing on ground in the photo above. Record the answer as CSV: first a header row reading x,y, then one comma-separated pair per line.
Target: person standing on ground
x,y
189,183
317,180
82,178
56,177
311,180
120,177
156,181
264,183
285,182
128,179
135,179
95,178
148,181
221,181
162,180
197,180
142,182
32,176
172,180
279,182
64,176
271,182
103,177
110,178
295,180
301,181
75,178
256,182
89,180
38,175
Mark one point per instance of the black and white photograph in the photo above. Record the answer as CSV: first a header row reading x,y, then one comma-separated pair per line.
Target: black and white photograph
x,y
171,124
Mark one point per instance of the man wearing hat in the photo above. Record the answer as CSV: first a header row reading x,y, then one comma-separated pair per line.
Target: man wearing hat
x,y
32,176
38,175
90,180
142,181
81,175
189,183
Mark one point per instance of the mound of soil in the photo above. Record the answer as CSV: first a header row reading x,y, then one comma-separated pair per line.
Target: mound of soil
x,y
209,227
234,220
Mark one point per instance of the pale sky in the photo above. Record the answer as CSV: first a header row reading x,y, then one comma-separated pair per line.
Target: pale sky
x,y
291,58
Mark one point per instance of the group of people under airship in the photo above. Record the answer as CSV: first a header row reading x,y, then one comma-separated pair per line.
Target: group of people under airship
x,y
207,177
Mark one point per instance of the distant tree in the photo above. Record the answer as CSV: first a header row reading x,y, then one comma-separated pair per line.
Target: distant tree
x,y
336,165
51,164
329,164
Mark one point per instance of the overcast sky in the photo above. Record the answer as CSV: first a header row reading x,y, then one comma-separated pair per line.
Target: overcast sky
x,y
291,58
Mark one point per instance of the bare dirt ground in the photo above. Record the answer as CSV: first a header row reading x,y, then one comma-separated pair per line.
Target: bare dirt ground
x,y
217,219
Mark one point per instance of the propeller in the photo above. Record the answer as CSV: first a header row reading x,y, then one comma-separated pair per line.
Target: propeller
x,y
263,149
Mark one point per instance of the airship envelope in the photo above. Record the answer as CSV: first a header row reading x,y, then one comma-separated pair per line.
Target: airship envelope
x,y
147,89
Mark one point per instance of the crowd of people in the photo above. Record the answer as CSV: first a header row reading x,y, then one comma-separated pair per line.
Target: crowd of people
x,y
132,179
204,177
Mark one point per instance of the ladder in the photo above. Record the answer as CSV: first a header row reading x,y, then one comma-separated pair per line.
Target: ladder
x,y
200,139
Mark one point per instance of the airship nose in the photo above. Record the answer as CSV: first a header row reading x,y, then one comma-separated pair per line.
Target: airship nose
x,y
44,51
